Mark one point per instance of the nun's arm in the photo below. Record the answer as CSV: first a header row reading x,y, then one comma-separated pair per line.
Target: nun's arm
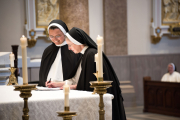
x,y
74,80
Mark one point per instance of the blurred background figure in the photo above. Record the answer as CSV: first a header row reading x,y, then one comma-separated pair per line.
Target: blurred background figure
x,y
172,75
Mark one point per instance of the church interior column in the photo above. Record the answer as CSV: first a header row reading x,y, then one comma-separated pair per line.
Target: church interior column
x,y
75,14
115,27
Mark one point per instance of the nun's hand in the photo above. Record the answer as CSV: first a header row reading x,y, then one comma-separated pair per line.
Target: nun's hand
x,y
73,87
55,84
46,83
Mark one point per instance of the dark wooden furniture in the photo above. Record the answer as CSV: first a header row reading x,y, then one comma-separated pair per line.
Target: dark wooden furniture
x,y
161,97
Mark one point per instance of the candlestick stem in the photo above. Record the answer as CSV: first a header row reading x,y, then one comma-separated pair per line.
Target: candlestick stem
x,y
25,110
101,106
25,93
100,88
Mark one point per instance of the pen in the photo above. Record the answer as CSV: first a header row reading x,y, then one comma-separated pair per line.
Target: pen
x,y
49,80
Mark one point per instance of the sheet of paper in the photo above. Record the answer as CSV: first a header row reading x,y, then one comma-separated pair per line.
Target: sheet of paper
x,y
47,89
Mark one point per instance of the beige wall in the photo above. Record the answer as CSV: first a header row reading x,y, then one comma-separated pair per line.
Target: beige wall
x,y
12,14
11,23
95,18
139,14
138,20
75,15
115,27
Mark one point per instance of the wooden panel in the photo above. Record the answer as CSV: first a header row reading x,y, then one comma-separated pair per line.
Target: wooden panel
x,y
161,97
151,97
177,99
168,98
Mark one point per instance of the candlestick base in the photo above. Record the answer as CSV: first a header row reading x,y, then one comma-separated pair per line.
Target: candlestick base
x,y
99,79
66,114
25,93
101,89
12,77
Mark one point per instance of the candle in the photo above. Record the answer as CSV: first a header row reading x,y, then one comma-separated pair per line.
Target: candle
x,y
23,40
11,57
99,40
100,62
96,60
66,89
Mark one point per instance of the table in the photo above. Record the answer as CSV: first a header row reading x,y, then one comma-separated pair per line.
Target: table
x,y
43,105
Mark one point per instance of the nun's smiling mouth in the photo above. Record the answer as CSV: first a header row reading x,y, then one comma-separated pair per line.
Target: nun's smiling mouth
x,y
57,42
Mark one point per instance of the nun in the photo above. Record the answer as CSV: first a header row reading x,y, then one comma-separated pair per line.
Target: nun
x,y
79,42
57,61
172,75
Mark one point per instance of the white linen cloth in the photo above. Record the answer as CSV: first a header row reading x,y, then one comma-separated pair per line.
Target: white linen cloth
x,y
174,77
43,105
56,72
75,79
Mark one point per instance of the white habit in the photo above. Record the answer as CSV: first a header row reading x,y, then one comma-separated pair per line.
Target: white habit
x,y
55,72
174,77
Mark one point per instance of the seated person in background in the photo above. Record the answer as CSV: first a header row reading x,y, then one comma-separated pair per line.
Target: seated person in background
x,y
172,75
79,42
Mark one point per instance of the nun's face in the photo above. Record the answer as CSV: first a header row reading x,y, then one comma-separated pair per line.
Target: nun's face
x,y
56,36
170,69
75,48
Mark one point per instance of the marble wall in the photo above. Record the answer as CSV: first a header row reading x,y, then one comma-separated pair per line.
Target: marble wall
x,y
115,27
135,67
75,14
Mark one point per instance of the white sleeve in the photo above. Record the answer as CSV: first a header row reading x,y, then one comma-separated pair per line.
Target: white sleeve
x,y
178,78
75,79
164,78
71,81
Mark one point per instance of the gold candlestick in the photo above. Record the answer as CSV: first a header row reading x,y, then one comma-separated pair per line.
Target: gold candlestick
x,y
25,93
12,77
66,114
100,87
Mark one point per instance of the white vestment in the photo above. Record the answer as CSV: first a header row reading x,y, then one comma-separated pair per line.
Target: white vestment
x,y
174,77
56,72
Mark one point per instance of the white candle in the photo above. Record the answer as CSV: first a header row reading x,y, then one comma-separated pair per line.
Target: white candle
x,y
96,60
100,60
23,40
12,58
99,40
66,89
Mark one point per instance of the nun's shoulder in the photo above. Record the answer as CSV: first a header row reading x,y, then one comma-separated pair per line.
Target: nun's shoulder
x,y
177,73
50,47
91,51
49,50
